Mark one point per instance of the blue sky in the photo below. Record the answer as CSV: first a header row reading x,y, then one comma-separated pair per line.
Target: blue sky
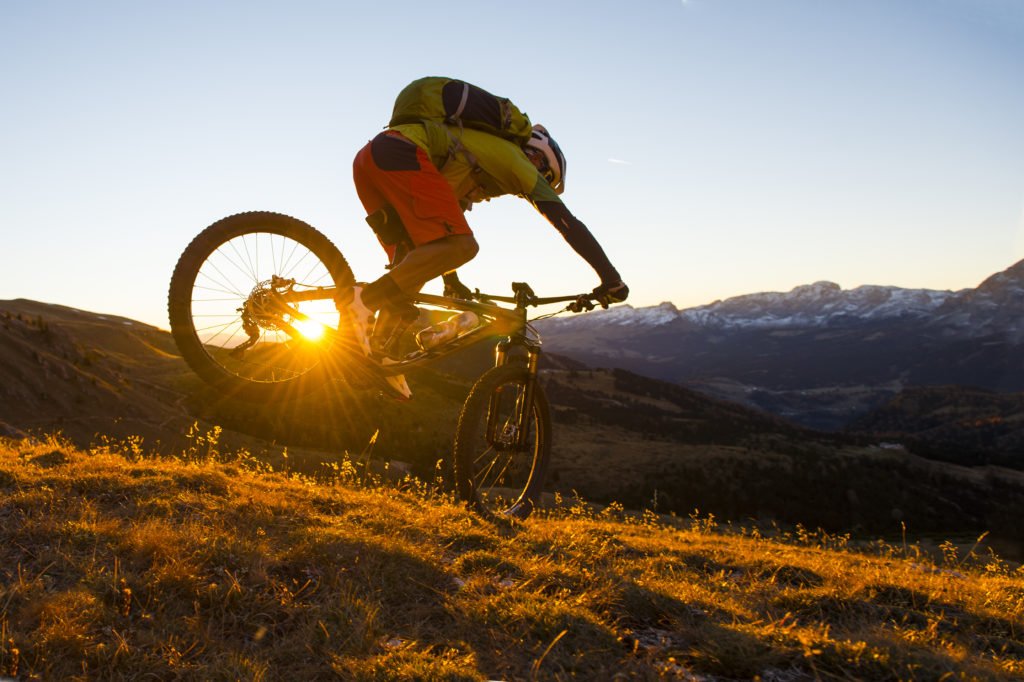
x,y
716,147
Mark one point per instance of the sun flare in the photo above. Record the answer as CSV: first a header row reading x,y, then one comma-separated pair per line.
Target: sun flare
x,y
311,330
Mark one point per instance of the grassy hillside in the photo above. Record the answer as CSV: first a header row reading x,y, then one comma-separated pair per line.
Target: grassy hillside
x,y
115,564
618,436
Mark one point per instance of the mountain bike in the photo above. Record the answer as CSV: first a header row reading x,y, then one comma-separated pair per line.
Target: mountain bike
x,y
253,309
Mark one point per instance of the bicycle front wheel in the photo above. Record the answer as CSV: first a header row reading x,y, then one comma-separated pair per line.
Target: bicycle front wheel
x,y
251,305
503,444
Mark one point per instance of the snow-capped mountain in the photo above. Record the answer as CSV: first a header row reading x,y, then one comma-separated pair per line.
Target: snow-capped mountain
x,y
821,303
996,303
790,346
818,304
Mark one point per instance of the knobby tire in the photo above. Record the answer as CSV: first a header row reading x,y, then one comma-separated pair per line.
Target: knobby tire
x,y
475,460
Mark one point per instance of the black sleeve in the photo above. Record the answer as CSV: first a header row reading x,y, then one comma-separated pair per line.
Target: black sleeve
x,y
579,238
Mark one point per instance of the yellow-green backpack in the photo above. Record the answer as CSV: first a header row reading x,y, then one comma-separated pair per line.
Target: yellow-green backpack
x,y
447,100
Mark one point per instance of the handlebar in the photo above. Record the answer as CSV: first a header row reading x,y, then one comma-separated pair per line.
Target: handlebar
x,y
524,296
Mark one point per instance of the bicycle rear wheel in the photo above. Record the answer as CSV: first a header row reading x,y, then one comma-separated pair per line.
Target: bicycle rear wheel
x,y
251,305
503,445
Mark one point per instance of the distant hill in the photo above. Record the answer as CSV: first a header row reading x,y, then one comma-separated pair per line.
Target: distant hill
x,y
642,442
89,375
819,355
86,373
619,436
952,423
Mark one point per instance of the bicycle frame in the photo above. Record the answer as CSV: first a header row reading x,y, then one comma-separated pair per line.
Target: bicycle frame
x,y
511,323
497,320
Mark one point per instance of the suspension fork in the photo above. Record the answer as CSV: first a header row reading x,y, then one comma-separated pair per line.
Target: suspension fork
x,y
524,399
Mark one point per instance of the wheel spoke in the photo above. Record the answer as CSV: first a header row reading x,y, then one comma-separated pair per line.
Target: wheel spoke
x,y
292,268
215,300
251,274
501,475
219,326
482,476
285,265
248,257
308,274
226,283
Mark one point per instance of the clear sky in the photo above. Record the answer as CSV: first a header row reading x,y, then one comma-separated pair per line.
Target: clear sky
x,y
716,147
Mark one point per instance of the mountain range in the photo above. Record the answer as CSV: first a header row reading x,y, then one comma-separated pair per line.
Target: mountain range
x,y
819,355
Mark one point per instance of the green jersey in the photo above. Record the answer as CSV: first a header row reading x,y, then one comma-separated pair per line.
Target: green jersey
x,y
483,166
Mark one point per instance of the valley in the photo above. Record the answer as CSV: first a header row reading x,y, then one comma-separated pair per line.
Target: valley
x,y
821,356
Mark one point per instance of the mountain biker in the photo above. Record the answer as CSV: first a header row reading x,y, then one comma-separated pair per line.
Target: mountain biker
x,y
415,181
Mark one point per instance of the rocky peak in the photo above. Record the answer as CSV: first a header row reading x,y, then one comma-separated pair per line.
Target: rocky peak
x,y
1008,283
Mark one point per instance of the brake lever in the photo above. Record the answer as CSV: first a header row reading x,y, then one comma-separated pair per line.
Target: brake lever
x,y
583,303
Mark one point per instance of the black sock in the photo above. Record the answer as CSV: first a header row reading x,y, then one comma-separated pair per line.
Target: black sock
x,y
380,293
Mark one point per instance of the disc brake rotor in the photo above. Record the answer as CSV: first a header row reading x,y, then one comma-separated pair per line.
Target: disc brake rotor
x,y
263,309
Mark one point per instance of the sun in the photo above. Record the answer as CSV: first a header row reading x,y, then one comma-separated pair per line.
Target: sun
x,y
310,329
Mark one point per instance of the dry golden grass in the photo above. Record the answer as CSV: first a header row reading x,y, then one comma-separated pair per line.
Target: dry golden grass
x,y
118,565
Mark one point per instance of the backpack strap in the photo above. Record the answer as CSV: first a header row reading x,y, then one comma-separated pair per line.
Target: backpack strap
x,y
457,116
455,147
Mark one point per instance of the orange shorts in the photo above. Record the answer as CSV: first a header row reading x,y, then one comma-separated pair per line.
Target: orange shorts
x,y
391,169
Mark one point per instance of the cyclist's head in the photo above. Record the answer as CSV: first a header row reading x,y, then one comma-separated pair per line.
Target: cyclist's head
x,y
547,156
